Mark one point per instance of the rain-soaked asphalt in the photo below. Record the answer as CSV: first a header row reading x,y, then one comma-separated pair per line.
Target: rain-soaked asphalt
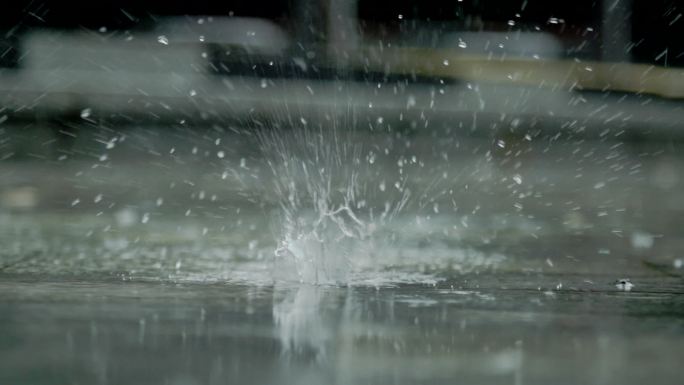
x,y
149,259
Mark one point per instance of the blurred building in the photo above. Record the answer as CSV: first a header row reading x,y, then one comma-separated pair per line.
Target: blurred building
x,y
211,60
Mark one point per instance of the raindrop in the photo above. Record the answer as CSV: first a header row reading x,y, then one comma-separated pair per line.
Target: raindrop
x,y
624,284
642,240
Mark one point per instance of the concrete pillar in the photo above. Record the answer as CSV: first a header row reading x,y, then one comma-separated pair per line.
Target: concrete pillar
x,y
616,30
343,36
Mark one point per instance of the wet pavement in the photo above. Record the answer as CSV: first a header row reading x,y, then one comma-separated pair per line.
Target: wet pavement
x,y
150,259
476,329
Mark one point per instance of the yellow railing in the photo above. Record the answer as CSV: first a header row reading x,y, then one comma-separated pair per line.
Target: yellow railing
x,y
547,73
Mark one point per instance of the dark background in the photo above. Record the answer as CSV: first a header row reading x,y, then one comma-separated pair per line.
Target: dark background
x,y
656,24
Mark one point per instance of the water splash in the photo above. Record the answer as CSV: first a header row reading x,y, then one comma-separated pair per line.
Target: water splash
x,y
329,222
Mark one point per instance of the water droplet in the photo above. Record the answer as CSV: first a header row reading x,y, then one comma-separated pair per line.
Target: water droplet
x,y
642,240
163,40
624,284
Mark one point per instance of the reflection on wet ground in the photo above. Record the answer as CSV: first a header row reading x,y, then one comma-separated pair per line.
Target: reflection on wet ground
x,y
152,261
490,329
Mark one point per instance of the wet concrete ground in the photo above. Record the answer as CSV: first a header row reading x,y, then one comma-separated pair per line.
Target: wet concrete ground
x,y
142,263
497,329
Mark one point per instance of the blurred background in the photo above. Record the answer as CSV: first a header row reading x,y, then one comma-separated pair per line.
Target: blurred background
x,y
489,172
165,61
